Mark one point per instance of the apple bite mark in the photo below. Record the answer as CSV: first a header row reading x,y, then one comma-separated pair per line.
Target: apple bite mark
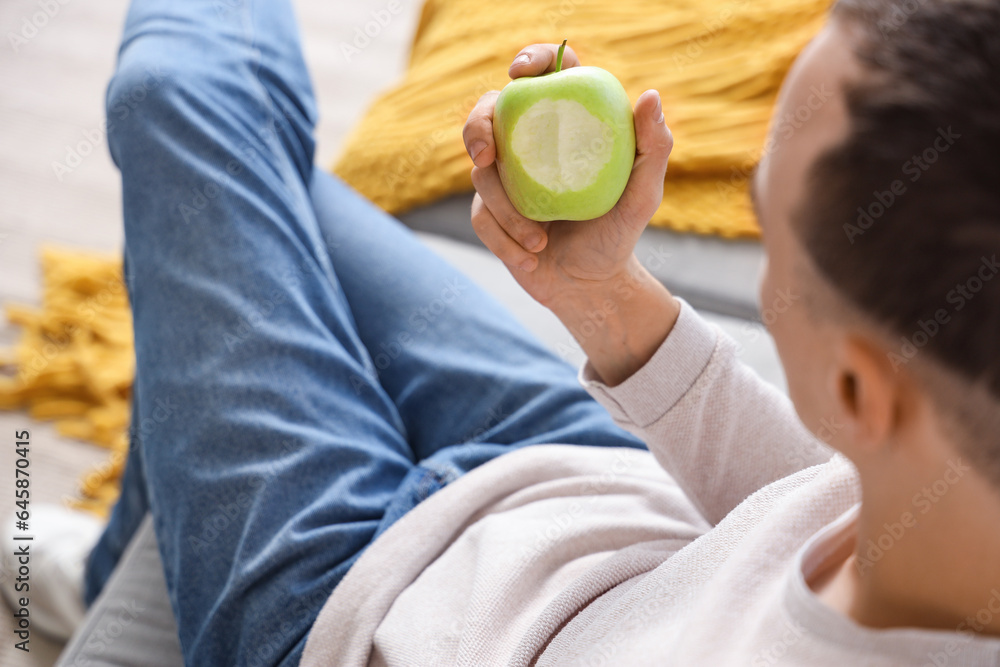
x,y
565,143
561,145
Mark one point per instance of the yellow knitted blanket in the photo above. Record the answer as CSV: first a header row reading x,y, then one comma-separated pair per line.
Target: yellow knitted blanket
x,y
718,65
75,362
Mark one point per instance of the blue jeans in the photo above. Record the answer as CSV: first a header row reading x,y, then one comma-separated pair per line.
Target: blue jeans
x,y
307,370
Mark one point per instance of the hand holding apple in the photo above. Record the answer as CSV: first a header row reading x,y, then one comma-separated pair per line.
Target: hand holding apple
x,y
557,260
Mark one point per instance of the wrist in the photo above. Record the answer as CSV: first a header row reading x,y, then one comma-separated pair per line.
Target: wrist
x,y
620,322
587,295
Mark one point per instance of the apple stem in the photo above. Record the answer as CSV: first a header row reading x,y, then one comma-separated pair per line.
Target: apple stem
x,y
559,55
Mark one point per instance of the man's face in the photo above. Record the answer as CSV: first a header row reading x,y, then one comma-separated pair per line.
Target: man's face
x,y
810,118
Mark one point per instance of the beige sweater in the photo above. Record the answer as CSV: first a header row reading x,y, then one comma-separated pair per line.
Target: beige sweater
x,y
695,553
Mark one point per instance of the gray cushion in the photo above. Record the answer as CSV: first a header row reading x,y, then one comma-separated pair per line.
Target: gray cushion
x,y
131,622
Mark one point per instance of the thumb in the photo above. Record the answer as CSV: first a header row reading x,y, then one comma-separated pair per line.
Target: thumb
x,y
653,143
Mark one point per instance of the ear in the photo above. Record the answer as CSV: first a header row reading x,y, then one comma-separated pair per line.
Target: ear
x,y
868,392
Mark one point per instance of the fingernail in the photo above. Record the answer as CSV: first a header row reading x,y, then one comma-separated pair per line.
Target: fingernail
x,y
532,241
658,111
522,59
527,265
476,148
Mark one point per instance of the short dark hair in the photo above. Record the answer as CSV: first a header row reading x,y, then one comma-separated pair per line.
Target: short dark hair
x,y
902,218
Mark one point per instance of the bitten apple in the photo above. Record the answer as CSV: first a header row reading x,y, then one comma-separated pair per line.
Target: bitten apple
x,y
565,142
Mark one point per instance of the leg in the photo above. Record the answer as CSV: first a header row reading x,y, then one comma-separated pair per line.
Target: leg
x,y
266,472
459,368
130,509
132,616
126,516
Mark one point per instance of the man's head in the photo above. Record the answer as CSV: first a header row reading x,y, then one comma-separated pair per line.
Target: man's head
x,y
880,207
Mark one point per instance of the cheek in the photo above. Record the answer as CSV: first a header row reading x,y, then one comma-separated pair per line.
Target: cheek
x,y
775,299
765,281
804,358
801,372
765,293
782,314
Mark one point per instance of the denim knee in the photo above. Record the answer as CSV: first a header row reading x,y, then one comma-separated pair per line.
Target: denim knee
x,y
140,96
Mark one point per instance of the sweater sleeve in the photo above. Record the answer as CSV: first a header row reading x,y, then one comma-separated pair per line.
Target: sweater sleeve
x,y
719,429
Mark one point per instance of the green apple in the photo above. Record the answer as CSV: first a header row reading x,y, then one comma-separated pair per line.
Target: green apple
x,y
565,142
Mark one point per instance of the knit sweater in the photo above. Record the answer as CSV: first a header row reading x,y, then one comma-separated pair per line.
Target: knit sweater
x,y
696,552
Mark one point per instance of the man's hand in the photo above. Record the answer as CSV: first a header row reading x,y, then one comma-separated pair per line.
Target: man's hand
x,y
585,272
555,261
